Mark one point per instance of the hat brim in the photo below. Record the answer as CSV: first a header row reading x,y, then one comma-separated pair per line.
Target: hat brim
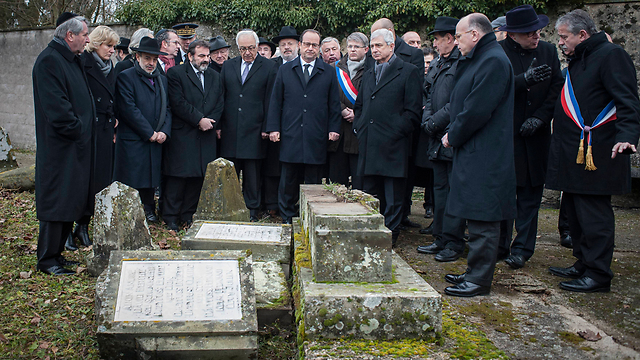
x,y
218,48
543,20
277,39
271,45
186,37
147,51
442,31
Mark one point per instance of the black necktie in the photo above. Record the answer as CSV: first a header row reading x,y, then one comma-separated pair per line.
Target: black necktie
x,y
305,73
200,78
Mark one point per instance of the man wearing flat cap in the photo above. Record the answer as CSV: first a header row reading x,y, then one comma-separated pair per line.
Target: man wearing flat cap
x,y
496,25
64,114
447,229
219,52
145,124
186,35
538,81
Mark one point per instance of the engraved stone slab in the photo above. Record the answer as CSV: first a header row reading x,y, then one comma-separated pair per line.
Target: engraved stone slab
x,y
267,242
189,304
179,290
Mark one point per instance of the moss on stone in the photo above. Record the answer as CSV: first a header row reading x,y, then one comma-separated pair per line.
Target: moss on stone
x,y
570,337
500,316
322,312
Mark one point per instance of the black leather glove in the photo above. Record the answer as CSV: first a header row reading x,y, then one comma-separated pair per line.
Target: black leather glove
x,y
428,127
537,74
530,126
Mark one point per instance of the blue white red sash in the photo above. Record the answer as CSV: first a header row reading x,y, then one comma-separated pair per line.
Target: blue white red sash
x,y
572,110
348,89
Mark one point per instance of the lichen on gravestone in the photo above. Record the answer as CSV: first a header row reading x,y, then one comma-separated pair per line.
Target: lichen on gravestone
x,y
119,223
7,158
221,195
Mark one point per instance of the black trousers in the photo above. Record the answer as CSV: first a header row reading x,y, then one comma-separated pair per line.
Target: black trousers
x,y
528,200
408,188
181,196
270,186
251,186
563,221
447,229
343,165
592,226
483,246
291,176
51,239
390,192
147,199
427,175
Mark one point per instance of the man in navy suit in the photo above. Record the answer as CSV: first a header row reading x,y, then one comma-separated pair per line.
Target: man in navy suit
x,y
304,112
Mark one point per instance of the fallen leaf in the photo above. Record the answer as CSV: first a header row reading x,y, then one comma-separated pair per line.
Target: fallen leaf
x,y
34,247
25,274
44,345
590,335
54,350
47,301
163,244
28,237
80,269
3,339
420,271
47,358
87,248
35,320
625,306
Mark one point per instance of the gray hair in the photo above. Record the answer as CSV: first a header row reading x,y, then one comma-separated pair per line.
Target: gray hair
x,y
137,36
247,32
577,20
386,35
164,36
480,23
359,37
329,39
74,25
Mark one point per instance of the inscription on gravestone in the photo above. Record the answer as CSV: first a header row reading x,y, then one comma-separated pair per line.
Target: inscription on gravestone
x,y
179,290
239,232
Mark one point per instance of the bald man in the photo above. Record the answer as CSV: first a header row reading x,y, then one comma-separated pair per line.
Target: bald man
x,y
412,39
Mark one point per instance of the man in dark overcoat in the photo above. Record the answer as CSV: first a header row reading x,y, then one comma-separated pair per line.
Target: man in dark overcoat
x,y
448,230
343,154
588,158
483,178
196,98
387,110
304,112
64,113
538,80
247,81
145,124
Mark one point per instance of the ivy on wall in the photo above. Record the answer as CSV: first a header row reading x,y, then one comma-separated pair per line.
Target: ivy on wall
x,y
330,17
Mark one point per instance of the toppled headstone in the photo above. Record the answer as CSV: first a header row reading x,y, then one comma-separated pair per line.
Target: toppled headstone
x,y
221,195
177,305
118,224
7,159
22,179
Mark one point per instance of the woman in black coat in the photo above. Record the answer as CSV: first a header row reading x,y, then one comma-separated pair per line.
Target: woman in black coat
x,y
102,78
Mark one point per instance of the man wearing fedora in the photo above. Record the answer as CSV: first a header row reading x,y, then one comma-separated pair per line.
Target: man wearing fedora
x,y
186,35
145,124
597,117
122,49
219,52
538,80
447,229
266,48
288,42
483,179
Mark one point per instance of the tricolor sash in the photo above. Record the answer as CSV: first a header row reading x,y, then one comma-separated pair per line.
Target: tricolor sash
x,y
347,87
572,110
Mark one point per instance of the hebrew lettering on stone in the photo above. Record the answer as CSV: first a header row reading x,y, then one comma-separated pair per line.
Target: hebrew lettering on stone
x,y
239,232
179,290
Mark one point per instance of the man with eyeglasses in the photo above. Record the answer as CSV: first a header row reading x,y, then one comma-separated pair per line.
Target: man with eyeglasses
x,y
538,80
343,154
247,81
304,112
483,179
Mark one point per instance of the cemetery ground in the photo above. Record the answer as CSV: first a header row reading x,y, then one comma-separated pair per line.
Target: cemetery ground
x,y
526,316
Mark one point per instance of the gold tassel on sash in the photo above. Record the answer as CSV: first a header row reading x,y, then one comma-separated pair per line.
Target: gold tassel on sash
x,y
590,165
580,158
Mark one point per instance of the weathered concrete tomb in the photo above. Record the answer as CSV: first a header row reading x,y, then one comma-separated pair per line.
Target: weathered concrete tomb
x,y
177,305
221,196
349,283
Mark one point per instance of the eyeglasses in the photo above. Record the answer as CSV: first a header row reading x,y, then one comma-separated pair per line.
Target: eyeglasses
x,y
312,45
533,33
458,36
354,47
245,49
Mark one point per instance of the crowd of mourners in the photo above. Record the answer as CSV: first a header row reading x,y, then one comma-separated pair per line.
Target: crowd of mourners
x,y
484,120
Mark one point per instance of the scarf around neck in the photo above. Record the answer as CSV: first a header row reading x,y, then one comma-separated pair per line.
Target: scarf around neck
x,y
104,67
354,66
155,76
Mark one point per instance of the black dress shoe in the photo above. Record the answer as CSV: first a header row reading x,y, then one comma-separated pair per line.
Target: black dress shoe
x,y
568,272
427,231
286,221
82,233
151,216
455,279
566,240
585,284
394,238
69,244
447,255
428,212
65,262
515,261
172,225
410,224
430,249
467,289
253,215
57,270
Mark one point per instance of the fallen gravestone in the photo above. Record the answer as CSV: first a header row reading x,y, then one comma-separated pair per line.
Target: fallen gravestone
x,y
221,196
7,159
118,224
177,305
